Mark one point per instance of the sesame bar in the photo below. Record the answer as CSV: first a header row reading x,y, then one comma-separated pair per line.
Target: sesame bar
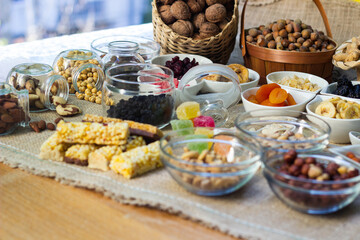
x,y
137,161
79,154
93,133
136,128
53,149
100,158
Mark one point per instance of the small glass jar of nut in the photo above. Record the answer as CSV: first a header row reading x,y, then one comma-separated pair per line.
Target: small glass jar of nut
x,y
83,71
121,52
40,82
14,108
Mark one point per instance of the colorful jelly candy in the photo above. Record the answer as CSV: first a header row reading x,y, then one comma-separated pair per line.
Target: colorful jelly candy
x,y
222,148
198,146
186,126
203,121
188,110
204,131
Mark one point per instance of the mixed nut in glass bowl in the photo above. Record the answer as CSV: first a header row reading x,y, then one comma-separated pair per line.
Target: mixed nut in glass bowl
x,y
313,183
279,131
210,161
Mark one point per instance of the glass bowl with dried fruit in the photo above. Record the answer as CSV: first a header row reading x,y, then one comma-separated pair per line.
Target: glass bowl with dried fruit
x,y
313,183
278,131
342,115
210,161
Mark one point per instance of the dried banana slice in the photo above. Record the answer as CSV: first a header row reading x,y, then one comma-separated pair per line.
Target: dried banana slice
x,y
326,109
335,100
352,112
342,105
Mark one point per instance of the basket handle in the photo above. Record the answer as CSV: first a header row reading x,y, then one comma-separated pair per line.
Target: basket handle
x,y
318,5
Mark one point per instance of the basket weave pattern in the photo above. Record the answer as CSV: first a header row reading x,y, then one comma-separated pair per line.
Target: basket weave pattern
x,y
217,48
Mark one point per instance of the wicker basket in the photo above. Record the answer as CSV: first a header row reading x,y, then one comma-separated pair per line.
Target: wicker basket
x,y
217,48
266,60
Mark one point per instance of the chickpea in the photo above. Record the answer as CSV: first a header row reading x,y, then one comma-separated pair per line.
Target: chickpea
x,y
92,99
98,100
86,98
89,86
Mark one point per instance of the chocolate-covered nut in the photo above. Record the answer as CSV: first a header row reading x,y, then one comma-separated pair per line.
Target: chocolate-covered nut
x,y
58,120
42,125
34,126
50,126
67,110
7,118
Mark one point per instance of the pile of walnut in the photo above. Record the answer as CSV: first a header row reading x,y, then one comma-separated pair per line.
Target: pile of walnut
x,y
198,19
350,53
289,35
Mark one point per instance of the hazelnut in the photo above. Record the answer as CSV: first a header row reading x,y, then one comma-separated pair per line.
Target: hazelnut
x,y
274,27
330,46
265,31
249,38
305,169
299,162
314,36
198,20
310,160
272,44
215,13
166,15
292,46
305,33
290,156
279,46
208,29
281,25
283,33
196,6
253,32
296,27
297,35
289,28
269,37
180,10
300,40
294,170
183,28
308,43
275,34
261,42
291,39
304,49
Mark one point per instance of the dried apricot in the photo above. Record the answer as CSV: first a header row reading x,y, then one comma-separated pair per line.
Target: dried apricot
x,y
278,95
290,99
267,102
264,91
252,99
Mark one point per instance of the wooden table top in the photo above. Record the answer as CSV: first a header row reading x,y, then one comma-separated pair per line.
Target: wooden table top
x,y
33,207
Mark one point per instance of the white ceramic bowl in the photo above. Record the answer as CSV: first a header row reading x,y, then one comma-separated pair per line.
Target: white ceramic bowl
x,y
340,128
255,80
330,89
354,137
302,98
345,149
277,76
161,60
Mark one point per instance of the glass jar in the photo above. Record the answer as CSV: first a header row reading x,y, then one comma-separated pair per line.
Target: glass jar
x,y
41,83
121,52
139,92
14,108
81,68
148,49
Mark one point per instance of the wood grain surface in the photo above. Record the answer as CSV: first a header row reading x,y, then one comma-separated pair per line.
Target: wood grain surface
x,y
33,207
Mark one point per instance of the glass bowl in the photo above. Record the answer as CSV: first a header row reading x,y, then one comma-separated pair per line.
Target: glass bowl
x,y
310,195
148,49
279,131
237,161
139,92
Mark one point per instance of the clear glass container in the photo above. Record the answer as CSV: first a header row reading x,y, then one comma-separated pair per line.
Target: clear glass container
x,y
14,108
121,52
139,92
81,68
148,49
41,83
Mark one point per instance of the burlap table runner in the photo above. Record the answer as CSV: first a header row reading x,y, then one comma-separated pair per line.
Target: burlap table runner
x,y
252,212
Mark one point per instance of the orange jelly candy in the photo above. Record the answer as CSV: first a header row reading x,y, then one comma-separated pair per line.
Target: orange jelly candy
x,y
264,91
222,148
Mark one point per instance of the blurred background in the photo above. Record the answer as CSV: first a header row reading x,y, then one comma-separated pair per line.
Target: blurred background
x,y
27,20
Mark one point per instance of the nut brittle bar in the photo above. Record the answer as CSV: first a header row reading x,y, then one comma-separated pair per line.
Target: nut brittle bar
x,y
79,154
53,149
114,133
100,158
137,161
136,128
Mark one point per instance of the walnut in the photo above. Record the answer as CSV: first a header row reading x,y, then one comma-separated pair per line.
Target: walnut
x,y
166,15
196,6
215,13
198,20
208,29
212,2
223,23
184,28
180,10
197,36
167,2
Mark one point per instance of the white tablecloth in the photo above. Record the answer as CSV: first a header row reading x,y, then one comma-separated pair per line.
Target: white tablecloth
x,y
45,50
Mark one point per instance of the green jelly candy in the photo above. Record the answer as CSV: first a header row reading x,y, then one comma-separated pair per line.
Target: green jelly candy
x,y
186,127
197,146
